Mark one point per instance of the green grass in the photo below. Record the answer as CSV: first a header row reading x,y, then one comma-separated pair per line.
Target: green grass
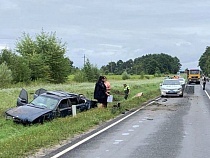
x,y
18,141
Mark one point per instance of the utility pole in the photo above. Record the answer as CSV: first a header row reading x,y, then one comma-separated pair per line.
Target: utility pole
x,y
84,60
111,67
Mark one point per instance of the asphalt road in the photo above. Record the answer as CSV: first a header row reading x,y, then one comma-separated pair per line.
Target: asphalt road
x,y
171,127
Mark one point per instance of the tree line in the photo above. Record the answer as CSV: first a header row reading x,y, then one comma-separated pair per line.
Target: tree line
x,y
148,64
204,62
43,58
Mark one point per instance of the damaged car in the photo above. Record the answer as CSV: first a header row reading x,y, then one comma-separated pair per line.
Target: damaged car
x,y
47,105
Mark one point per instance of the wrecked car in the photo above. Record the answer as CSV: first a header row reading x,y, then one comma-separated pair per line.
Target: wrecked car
x,y
47,105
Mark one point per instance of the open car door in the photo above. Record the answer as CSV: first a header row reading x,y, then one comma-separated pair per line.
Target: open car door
x,y
39,91
23,98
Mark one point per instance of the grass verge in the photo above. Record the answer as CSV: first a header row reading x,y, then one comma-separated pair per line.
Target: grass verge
x,y
20,141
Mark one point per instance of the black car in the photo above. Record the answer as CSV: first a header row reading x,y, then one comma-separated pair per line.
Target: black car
x,y
47,105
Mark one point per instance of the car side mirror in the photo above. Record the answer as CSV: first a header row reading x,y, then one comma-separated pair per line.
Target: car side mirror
x,y
23,101
160,84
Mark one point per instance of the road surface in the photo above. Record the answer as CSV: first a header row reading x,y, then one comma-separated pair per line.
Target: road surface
x,y
172,127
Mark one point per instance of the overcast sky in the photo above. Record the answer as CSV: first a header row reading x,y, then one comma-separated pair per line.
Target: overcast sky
x,y
112,30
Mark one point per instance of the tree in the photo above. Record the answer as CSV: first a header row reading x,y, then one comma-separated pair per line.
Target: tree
x,y
91,72
5,75
204,61
148,64
17,64
20,70
45,56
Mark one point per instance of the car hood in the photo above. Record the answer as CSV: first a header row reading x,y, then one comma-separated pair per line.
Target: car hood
x,y
182,82
26,112
171,86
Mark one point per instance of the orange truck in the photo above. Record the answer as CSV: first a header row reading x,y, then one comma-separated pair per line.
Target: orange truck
x,y
193,76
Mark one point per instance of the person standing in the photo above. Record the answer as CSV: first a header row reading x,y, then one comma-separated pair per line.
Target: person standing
x,y
126,91
108,85
100,92
108,90
204,82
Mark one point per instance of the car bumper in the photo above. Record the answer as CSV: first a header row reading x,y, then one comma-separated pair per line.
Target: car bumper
x,y
171,92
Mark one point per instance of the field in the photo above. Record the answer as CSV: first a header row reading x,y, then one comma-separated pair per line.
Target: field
x,y
20,141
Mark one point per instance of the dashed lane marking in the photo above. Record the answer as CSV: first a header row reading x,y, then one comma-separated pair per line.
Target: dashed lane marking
x,y
97,133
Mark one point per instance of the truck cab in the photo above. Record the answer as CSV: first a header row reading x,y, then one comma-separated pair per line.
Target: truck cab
x,y
193,76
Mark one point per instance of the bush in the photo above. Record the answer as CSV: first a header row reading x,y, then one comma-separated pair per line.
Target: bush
x,y
125,75
147,77
80,76
5,75
142,75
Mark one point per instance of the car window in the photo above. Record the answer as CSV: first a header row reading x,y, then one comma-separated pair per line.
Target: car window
x,y
64,104
74,101
171,82
45,101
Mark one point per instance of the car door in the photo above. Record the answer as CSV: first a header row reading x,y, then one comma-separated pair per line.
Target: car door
x,y
64,108
23,98
39,91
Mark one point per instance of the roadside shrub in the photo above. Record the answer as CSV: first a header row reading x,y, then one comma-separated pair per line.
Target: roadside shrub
x,y
157,75
80,77
147,77
142,75
5,75
125,75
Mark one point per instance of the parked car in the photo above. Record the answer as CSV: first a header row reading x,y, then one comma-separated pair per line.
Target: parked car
x,y
171,87
47,105
182,81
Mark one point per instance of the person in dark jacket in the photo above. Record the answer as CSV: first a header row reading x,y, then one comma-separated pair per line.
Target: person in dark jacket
x,y
100,92
204,83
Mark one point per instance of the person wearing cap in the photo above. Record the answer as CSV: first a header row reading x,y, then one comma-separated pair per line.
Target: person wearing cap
x,y
126,91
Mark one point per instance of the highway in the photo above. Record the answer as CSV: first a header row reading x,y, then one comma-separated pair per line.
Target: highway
x,y
171,127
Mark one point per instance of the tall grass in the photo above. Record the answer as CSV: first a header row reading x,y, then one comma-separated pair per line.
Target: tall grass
x,y
18,141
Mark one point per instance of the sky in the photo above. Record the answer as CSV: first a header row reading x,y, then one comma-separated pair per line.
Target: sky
x,y
104,31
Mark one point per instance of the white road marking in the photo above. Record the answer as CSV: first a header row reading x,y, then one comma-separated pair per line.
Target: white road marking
x,y
206,92
97,133
135,126
125,134
130,130
118,140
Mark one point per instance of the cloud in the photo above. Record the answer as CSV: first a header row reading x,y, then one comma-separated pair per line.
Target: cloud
x,y
190,65
183,44
111,45
3,46
8,5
